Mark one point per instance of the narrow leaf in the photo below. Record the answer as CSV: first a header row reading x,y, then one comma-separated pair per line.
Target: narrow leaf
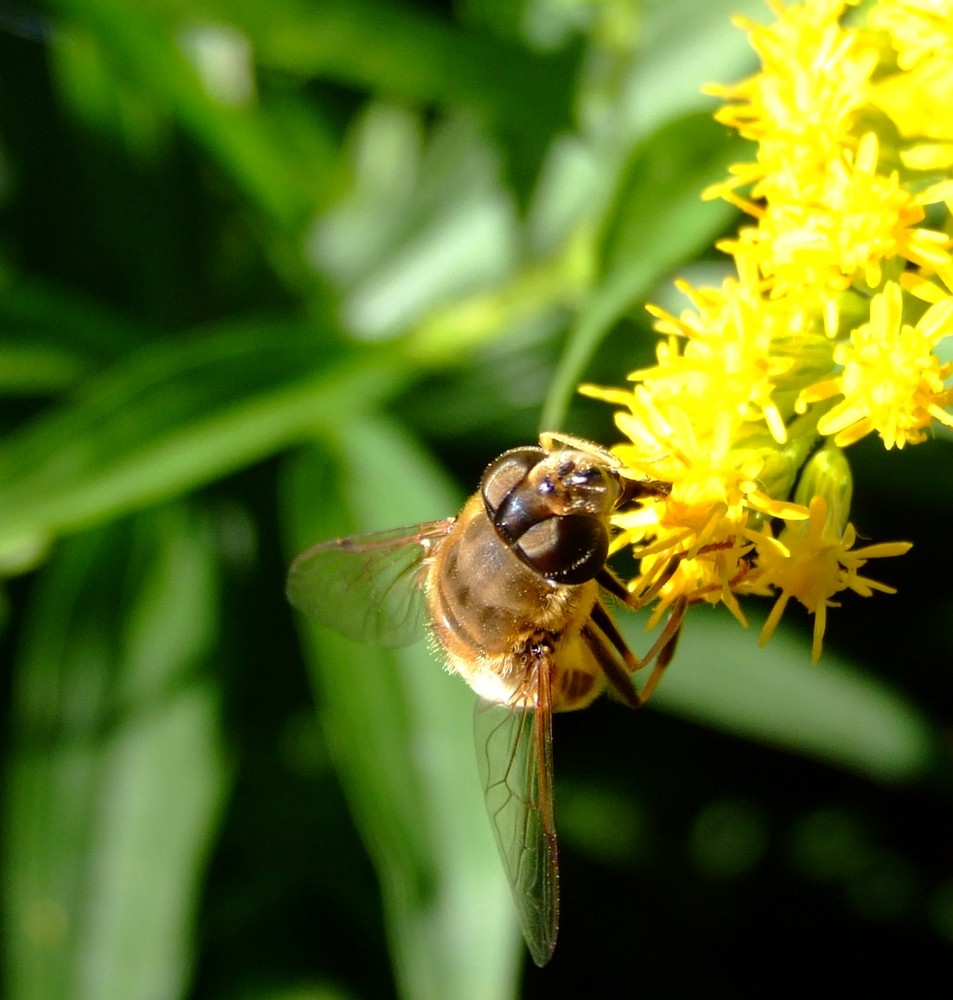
x,y
116,774
657,221
829,712
174,416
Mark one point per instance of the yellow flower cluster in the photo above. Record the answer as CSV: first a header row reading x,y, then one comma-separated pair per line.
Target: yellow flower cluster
x,y
826,332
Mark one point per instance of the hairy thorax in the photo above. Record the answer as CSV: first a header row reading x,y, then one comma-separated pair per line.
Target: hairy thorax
x,y
491,614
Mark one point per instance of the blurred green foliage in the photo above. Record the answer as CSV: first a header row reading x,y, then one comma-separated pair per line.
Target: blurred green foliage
x,y
275,273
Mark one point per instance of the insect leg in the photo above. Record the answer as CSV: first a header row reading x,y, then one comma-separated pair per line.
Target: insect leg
x,y
608,580
615,674
661,653
663,649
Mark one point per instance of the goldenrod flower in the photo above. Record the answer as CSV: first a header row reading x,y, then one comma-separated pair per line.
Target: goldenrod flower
x,y
917,97
691,543
731,354
801,106
843,225
812,561
891,380
843,292
918,29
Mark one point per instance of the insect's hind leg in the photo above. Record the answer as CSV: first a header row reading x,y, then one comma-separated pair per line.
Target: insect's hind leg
x,y
615,673
660,654
663,649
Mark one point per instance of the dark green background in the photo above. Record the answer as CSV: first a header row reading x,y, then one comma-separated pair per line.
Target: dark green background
x,y
241,317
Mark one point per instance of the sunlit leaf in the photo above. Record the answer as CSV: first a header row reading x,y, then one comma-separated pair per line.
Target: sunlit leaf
x,y
117,771
178,415
657,220
775,695
673,63
428,220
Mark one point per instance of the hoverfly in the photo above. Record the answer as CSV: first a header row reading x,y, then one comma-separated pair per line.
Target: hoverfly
x,y
510,592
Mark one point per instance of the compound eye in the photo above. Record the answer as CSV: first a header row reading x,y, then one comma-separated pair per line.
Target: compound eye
x,y
505,473
569,549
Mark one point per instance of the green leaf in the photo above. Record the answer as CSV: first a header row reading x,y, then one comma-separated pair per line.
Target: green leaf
x,y
426,221
659,218
32,369
657,221
117,774
125,58
830,711
174,416
674,64
397,49
320,992
54,336
401,730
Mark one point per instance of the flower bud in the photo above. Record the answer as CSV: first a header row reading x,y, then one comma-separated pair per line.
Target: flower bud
x,y
827,474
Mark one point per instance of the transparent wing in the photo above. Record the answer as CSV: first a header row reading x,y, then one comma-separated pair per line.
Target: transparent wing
x,y
515,759
368,587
